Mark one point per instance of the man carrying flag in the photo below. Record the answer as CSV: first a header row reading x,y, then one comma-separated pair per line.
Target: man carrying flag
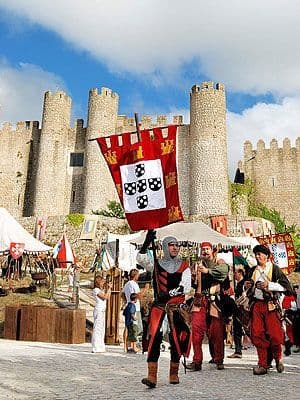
x,y
145,177
171,281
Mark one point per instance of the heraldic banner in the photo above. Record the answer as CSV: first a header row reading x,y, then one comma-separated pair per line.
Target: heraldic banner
x,y
145,177
282,249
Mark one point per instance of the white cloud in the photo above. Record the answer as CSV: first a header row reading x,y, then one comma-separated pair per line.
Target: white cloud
x,y
22,90
250,45
262,121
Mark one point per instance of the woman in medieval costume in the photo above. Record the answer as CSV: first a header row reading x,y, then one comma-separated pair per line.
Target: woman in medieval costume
x,y
171,281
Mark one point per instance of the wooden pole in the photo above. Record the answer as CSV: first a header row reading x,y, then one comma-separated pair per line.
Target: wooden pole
x,y
138,132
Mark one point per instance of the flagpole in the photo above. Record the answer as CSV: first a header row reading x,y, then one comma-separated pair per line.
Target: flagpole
x,y
138,132
233,271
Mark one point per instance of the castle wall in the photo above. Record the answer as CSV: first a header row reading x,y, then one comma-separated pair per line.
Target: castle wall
x,y
15,153
52,188
102,119
209,186
76,176
275,173
183,167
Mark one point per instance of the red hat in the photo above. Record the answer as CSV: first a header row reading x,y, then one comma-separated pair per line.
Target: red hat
x,y
206,244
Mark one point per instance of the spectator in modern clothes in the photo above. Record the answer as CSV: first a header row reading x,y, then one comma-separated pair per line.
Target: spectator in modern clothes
x,y
132,286
131,322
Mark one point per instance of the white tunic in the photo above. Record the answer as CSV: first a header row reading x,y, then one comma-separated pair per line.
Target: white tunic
x,y
98,345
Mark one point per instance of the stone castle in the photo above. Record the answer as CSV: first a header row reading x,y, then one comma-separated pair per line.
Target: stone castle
x,y
56,170
275,173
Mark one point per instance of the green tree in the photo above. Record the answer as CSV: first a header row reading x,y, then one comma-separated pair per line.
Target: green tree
x,y
114,209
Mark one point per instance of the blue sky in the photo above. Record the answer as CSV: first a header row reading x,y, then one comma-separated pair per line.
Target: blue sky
x,y
151,52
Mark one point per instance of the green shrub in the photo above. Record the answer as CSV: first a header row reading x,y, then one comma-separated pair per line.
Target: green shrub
x,y
75,219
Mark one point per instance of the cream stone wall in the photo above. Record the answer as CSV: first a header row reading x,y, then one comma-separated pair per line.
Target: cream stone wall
x,y
15,151
209,190
275,172
37,179
102,119
52,194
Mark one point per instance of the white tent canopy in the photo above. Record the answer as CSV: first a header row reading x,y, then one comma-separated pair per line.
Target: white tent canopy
x,y
12,232
194,232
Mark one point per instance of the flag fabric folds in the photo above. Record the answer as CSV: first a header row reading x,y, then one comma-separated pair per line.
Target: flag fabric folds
x,y
238,259
219,224
145,176
64,253
282,249
16,250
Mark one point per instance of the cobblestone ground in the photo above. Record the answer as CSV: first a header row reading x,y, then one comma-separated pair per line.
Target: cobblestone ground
x,y
31,370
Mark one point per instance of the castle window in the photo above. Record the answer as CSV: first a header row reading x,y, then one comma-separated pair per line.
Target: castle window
x,y
27,124
273,182
76,160
73,196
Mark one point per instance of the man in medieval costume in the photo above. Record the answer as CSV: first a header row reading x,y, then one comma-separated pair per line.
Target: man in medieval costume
x,y
266,282
209,307
171,281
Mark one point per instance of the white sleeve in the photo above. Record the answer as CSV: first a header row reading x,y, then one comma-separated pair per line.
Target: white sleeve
x,y
276,287
127,291
186,281
145,261
293,306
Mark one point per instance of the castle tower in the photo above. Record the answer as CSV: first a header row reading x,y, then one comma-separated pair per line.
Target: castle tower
x,y
209,191
102,120
50,195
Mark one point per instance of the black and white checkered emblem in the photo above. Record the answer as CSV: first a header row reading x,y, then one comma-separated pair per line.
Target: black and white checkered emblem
x,y
139,170
154,184
130,188
142,201
141,185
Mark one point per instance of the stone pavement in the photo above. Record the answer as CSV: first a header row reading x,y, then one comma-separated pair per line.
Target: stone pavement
x,y
32,370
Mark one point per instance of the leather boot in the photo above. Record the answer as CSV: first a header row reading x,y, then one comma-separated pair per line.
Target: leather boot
x,y
194,366
151,379
260,370
174,367
279,366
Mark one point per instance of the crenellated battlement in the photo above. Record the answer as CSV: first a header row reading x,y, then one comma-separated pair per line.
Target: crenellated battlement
x,y
126,124
58,96
208,86
104,92
20,127
79,123
262,150
33,158
274,171
274,144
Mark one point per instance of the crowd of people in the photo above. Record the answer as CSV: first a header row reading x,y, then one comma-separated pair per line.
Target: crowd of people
x,y
198,300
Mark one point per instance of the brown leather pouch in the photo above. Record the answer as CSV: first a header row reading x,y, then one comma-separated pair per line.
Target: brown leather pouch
x,y
271,306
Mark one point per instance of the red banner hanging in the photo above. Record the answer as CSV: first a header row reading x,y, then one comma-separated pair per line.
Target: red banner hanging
x,y
282,249
16,250
145,177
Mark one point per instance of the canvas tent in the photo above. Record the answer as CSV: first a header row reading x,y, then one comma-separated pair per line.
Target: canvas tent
x,y
12,232
194,232
127,251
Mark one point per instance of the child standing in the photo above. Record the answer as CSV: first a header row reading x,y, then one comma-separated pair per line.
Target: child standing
x,y
131,322
101,295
